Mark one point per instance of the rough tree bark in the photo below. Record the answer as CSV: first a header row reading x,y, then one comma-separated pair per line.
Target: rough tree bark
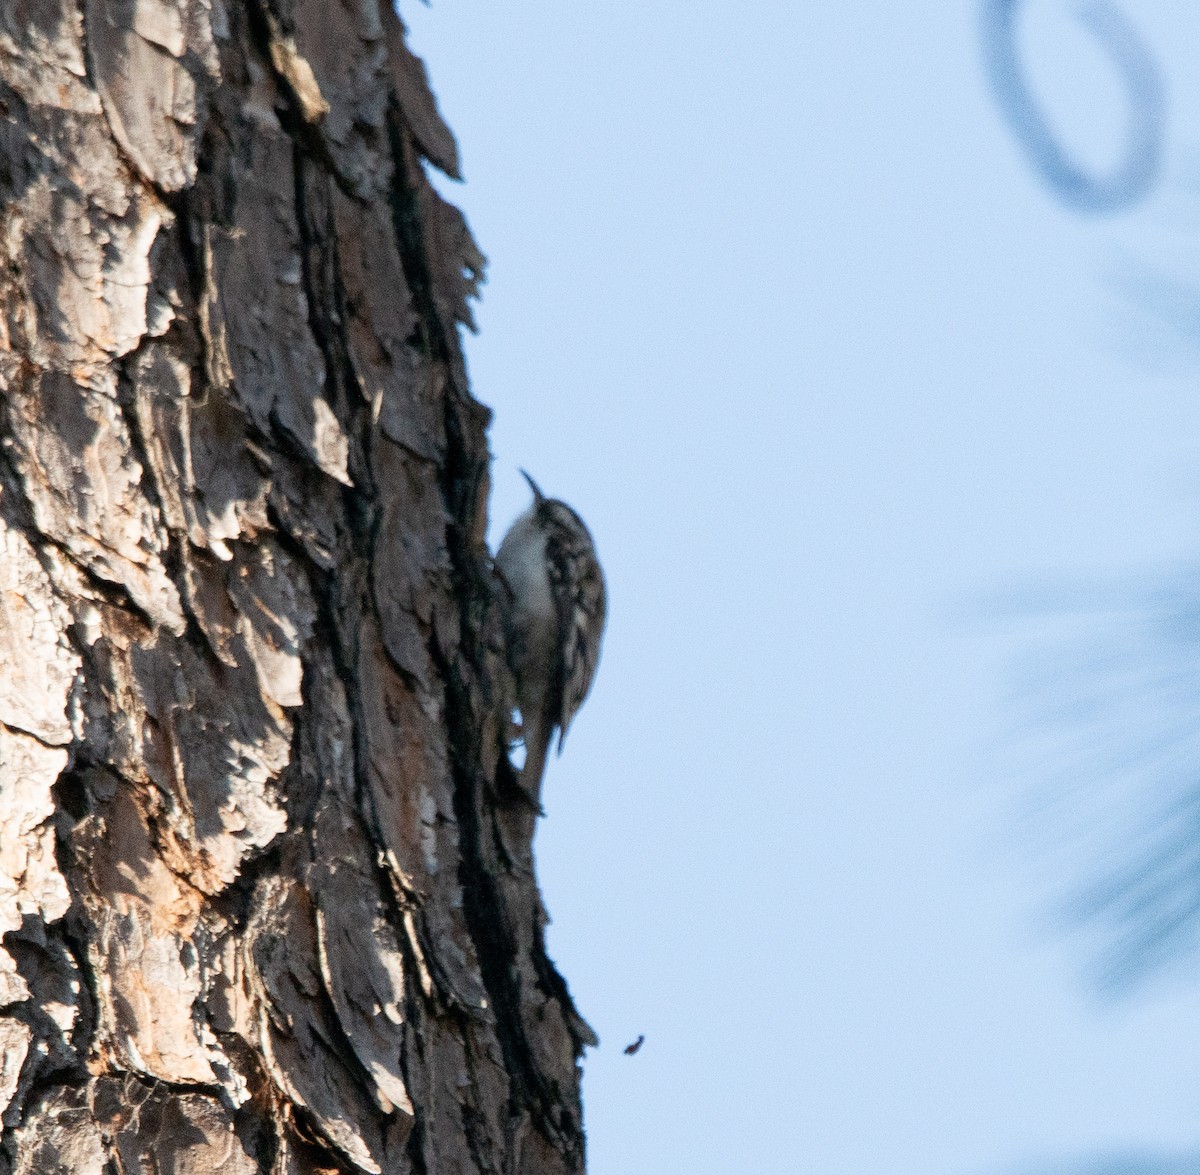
x,y
266,886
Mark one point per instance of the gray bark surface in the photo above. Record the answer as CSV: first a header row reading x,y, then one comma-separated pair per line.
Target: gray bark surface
x,y
267,894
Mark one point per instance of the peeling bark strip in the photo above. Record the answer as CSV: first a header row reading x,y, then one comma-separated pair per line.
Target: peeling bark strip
x,y
266,888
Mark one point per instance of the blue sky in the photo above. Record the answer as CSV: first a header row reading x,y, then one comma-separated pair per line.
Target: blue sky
x,y
776,303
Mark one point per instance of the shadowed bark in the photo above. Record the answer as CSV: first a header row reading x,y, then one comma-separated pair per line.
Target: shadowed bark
x,y
266,886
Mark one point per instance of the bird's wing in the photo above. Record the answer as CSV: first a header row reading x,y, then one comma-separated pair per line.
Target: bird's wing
x,y
581,625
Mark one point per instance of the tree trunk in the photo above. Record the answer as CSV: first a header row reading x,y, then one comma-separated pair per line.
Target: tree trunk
x,y
266,886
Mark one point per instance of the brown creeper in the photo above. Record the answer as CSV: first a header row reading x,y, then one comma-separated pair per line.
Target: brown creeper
x,y
555,618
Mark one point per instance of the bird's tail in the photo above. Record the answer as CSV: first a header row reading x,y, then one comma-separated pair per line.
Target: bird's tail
x,y
537,744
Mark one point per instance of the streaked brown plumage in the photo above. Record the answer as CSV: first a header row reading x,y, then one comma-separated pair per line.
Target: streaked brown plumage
x,y
556,614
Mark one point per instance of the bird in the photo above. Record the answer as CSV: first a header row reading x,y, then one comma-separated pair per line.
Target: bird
x,y
555,616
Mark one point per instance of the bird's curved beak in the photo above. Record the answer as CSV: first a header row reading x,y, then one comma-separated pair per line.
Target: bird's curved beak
x,y
533,485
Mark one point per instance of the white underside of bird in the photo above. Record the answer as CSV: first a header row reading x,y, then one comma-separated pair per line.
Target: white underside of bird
x,y
534,634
